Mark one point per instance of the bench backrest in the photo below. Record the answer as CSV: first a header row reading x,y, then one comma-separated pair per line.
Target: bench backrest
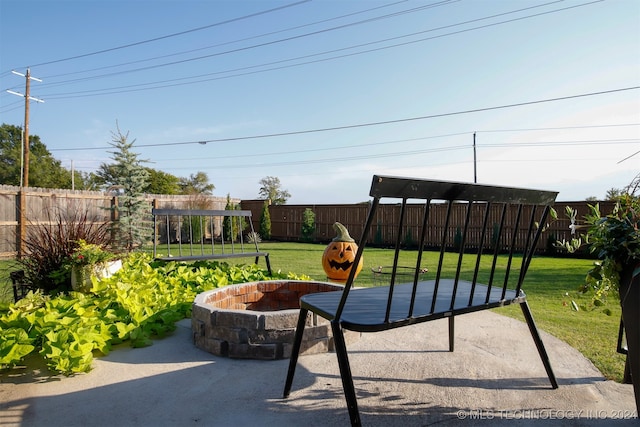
x,y
201,232
484,223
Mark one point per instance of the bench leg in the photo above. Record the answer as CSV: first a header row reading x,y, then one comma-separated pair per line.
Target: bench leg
x,y
266,258
536,338
295,351
345,373
16,297
451,333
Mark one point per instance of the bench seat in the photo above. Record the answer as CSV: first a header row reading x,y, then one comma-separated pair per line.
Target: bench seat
x,y
365,310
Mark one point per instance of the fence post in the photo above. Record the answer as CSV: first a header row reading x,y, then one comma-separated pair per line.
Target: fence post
x,y
155,205
114,217
22,223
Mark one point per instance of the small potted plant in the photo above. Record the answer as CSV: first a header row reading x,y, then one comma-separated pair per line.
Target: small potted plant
x,y
90,259
615,240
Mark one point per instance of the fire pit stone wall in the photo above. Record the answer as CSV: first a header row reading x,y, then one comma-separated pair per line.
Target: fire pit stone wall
x,y
257,320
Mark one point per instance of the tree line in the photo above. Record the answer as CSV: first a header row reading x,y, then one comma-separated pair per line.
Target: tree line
x,y
46,171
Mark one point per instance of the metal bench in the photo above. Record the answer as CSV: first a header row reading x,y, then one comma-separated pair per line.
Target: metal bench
x,y
193,235
485,225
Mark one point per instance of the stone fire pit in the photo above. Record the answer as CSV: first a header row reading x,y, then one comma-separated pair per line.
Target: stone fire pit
x,y
257,320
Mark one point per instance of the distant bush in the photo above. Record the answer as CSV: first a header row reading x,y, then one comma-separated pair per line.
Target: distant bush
x,y
308,225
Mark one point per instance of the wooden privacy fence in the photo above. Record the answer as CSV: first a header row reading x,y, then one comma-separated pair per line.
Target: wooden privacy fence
x,y
286,220
21,211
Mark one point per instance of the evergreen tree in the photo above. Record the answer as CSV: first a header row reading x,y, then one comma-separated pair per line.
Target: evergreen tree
x,y
308,225
233,225
265,221
228,224
131,226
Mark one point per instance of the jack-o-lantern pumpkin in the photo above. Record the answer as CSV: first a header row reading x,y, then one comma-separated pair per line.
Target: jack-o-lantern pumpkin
x,y
339,255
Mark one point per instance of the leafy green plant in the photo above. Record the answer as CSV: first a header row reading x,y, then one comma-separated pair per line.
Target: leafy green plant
x,y
614,239
141,301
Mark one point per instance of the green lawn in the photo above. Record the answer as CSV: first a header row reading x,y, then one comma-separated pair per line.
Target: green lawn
x,y
6,292
550,286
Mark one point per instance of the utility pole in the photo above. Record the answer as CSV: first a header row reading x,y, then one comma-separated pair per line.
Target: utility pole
x,y
25,140
475,161
22,225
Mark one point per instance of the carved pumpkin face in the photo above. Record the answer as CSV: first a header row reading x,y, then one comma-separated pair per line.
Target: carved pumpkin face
x,y
338,256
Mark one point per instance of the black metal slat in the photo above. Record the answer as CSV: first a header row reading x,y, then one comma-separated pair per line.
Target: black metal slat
x,y
496,252
190,235
201,236
168,233
461,254
423,230
155,235
512,249
396,254
441,258
527,256
212,233
485,222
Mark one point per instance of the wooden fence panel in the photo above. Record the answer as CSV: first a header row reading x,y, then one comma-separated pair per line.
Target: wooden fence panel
x,y
44,206
286,220
286,223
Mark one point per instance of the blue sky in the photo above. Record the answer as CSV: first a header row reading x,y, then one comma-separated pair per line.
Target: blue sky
x,y
324,94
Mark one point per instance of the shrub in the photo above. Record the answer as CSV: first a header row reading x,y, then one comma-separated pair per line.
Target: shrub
x,y
308,225
49,243
265,221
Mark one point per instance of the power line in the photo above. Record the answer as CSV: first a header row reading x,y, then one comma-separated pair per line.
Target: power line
x,y
379,123
338,159
167,83
259,45
372,144
558,128
234,41
556,143
172,35
314,150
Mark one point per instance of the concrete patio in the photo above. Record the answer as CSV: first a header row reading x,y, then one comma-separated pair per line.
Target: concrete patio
x,y
404,377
